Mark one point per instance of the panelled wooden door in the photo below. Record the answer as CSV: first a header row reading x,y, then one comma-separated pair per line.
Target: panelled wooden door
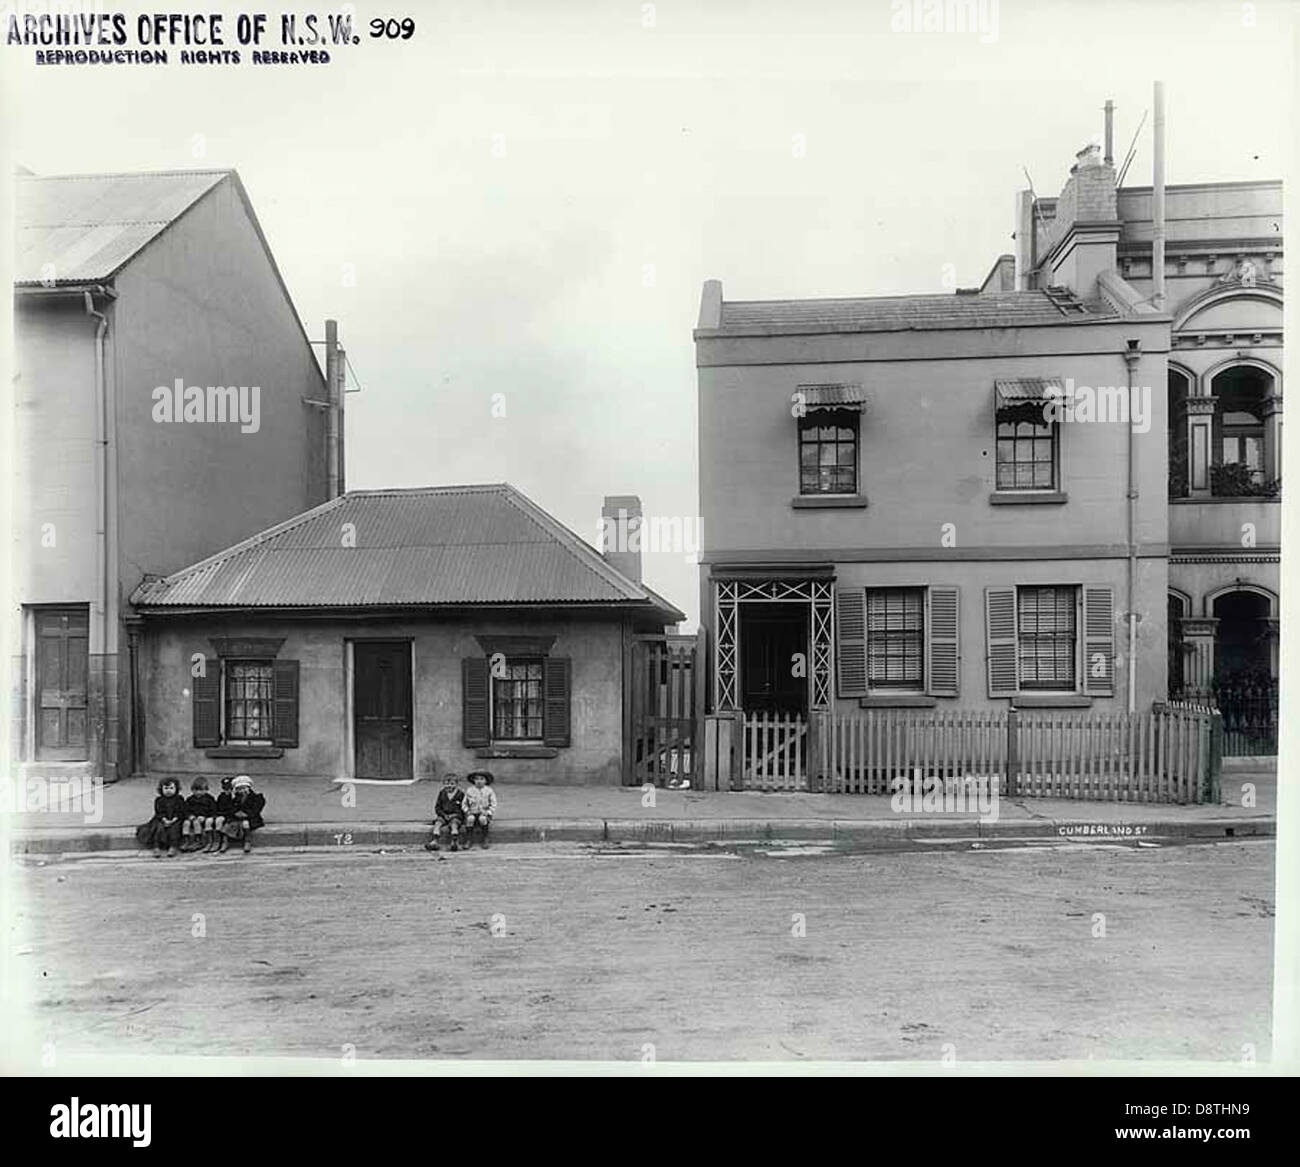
x,y
382,701
62,665
771,637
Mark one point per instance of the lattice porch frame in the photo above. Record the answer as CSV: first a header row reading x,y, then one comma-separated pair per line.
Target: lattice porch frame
x,y
729,594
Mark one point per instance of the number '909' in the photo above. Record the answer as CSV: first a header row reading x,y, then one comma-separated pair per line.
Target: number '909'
x,y
393,29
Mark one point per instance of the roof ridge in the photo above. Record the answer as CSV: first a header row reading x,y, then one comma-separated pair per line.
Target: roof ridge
x,y
574,543
87,174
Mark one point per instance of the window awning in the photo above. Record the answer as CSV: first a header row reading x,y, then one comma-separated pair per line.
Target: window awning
x,y
833,396
1027,390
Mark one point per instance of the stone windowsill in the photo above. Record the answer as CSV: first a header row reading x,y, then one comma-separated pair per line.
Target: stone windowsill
x,y
828,501
517,752
1051,701
1028,497
898,701
244,752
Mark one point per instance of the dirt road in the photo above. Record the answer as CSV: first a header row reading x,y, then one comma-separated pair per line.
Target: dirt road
x,y
569,951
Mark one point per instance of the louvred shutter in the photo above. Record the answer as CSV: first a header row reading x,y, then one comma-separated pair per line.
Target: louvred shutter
x,y
206,705
1098,641
556,679
285,694
474,681
851,642
1003,650
942,642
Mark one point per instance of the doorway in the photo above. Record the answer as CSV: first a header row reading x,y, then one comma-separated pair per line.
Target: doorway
x,y
774,662
382,703
62,667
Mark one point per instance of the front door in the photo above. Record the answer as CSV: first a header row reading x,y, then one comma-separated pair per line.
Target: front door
x,y
62,660
774,658
382,700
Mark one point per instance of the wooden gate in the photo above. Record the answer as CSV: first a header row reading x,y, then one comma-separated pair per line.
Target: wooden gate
x,y
774,752
663,710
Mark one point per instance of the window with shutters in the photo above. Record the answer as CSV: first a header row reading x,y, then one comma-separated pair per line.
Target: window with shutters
x,y
517,701
1047,637
246,703
895,638
249,701
828,452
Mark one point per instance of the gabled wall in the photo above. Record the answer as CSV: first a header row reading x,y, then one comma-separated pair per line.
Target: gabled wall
x,y
203,303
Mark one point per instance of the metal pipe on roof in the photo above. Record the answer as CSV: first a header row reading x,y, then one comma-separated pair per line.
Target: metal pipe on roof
x,y
1158,200
332,416
1109,157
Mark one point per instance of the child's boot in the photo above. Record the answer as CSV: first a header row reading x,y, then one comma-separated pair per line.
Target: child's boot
x,y
222,843
487,827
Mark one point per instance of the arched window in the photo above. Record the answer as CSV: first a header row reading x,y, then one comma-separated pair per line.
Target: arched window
x,y
1242,460
1179,469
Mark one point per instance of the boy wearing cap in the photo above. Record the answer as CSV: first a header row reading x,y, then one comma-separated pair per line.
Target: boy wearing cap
x,y
449,812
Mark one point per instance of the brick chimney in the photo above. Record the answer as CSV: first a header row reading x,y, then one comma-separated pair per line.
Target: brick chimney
x,y
620,528
1086,228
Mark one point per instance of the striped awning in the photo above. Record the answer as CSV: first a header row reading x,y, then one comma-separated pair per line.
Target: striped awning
x,y
833,396
1027,390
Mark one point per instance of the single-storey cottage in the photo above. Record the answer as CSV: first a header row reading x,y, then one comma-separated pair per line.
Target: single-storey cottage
x,y
395,635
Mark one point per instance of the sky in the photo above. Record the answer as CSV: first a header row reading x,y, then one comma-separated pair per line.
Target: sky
x,y
511,214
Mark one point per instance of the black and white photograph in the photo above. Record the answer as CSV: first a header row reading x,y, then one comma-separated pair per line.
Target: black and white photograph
x,y
648,539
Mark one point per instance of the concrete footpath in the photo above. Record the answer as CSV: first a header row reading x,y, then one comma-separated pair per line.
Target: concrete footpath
x,y
311,812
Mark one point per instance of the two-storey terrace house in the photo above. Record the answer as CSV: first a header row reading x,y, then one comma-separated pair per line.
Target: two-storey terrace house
x,y
941,499
128,284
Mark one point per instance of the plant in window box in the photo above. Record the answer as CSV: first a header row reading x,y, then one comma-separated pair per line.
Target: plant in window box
x,y
1237,480
1177,484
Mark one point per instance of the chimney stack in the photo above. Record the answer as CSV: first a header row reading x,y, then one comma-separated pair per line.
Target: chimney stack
x,y
620,534
1110,133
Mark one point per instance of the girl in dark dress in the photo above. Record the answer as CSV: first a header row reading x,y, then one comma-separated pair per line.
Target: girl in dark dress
x,y
168,811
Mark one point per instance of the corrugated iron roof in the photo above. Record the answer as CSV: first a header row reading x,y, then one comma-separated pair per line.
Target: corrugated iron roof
x,y
1018,389
900,313
833,396
82,228
445,545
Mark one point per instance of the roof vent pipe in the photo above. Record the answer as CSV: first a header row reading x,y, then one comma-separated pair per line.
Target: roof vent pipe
x,y
1158,200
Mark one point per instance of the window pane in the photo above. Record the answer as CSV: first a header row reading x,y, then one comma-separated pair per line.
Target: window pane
x,y
517,701
895,637
249,703
1047,637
